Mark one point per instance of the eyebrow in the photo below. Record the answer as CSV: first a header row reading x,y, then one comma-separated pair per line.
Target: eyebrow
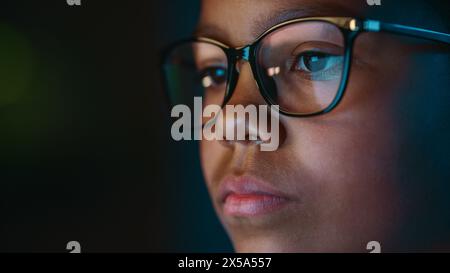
x,y
282,14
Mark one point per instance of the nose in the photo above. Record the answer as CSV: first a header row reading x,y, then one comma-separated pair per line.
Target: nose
x,y
247,119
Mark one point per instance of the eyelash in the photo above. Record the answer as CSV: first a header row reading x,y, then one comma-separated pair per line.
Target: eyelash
x,y
327,74
208,73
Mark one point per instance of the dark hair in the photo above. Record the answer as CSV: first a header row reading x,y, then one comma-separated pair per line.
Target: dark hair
x,y
432,14
442,8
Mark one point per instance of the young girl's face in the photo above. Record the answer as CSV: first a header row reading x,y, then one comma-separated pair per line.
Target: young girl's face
x,y
332,184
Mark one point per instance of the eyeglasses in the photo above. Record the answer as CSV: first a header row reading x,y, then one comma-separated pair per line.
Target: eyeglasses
x,y
301,65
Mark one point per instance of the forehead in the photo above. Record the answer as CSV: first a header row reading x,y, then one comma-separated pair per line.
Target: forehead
x,y
237,22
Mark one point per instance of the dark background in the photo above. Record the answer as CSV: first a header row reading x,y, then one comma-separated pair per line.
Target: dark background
x,y
85,146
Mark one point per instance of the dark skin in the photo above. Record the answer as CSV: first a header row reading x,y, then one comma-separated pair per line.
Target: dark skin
x,y
342,171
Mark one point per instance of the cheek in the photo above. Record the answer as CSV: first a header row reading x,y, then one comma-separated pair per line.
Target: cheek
x,y
206,159
211,155
351,155
346,154
362,135
351,170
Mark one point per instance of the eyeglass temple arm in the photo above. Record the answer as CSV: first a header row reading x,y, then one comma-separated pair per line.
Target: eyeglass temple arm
x,y
377,26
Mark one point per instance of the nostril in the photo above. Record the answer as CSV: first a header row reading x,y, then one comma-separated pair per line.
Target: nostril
x,y
255,138
246,142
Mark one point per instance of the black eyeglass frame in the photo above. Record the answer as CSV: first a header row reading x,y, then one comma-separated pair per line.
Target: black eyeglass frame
x,y
350,28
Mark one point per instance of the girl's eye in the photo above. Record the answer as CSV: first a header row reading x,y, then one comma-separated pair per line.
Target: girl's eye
x,y
213,76
317,63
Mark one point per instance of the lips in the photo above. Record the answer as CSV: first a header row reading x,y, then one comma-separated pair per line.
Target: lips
x,y
248,196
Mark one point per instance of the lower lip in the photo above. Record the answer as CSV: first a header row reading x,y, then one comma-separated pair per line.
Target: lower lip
x,y
252,204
